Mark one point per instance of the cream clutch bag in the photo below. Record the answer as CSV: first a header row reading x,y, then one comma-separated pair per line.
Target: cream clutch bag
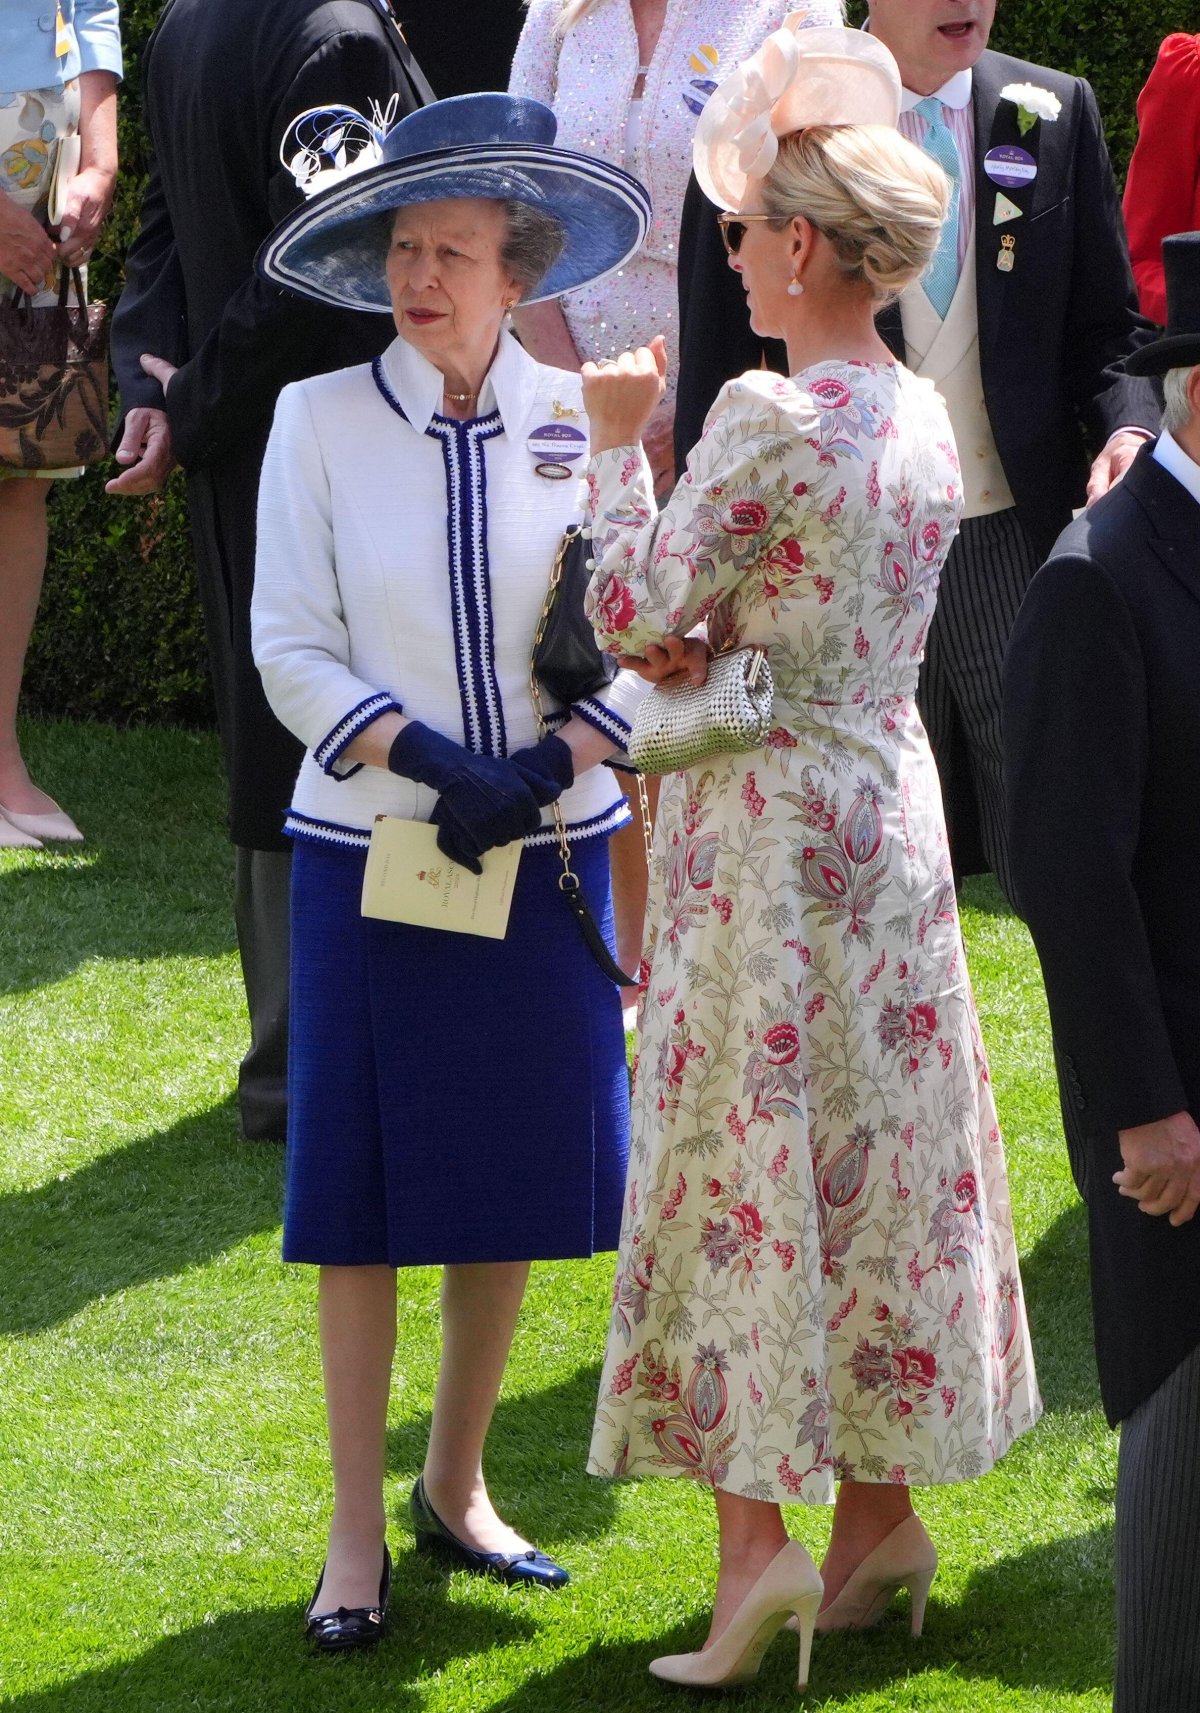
x,y
680,724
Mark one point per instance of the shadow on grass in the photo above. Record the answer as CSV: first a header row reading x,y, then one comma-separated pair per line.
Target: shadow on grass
x,y
536,1452
142,1212
134,902
257,1661
1058,1299
987,1637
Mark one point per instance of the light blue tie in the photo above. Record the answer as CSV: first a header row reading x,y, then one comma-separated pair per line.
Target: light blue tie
x,y
941,276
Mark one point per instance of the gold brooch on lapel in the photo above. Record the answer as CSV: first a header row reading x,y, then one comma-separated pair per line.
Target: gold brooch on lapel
x,y
1004,261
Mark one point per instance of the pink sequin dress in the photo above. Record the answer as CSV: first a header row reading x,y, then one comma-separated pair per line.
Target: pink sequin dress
x,y
588,78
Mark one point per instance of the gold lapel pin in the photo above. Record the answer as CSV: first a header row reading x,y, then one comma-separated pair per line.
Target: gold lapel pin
x,y
1004,261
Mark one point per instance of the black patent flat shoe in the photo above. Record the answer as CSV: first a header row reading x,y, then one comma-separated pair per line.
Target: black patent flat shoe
x,y
350,1626
531,1568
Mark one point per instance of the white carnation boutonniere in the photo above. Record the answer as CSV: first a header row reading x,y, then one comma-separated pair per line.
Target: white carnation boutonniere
x,y
1033,103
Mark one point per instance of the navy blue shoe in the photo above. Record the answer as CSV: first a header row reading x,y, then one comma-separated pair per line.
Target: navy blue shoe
x,y
350,1626
516,1568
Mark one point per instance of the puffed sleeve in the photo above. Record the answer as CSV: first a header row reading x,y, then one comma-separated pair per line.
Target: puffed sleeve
x,y
1160,191
98,32
301,644
662,574
535,63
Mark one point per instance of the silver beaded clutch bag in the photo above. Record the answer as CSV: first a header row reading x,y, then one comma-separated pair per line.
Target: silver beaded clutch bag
x,y
680,724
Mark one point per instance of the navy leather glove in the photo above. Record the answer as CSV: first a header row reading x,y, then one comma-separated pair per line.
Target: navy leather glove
x,y
482,800
548,768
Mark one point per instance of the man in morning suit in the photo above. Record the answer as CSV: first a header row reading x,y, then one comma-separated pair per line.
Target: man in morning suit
x,y
202,347
1102,756
1020,322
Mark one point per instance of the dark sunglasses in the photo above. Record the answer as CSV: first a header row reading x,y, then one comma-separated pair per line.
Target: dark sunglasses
x,y
733,229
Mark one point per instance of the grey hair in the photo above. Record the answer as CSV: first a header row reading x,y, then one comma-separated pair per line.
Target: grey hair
x,y
533,243
1177,409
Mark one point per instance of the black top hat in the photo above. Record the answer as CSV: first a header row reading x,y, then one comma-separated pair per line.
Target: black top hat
x,y
1179,346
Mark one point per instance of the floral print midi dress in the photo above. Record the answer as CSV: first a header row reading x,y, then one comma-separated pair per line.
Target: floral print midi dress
x,y
818,1279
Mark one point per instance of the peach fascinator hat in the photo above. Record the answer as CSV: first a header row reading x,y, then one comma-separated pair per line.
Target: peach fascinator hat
x,y
800,76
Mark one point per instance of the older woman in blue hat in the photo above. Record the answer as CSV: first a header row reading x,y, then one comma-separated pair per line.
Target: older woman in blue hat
x,y
453,1100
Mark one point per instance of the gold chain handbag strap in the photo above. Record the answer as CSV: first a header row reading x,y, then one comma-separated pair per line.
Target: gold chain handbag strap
x,y
568,880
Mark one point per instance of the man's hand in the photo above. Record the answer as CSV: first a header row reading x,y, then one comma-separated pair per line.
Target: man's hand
x,y
146,448
85,209
1115,458
26,252
1162,1167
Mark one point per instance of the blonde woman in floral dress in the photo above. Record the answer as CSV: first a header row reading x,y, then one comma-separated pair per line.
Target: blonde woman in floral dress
x,y
818,1289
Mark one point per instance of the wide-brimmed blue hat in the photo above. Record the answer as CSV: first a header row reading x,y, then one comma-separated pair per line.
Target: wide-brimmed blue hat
x,y
500,147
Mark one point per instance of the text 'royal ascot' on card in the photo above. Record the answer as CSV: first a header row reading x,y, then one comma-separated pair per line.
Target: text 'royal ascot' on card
x,y
408,879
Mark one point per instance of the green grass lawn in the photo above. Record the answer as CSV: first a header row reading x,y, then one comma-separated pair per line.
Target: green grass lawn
x,y
163,1467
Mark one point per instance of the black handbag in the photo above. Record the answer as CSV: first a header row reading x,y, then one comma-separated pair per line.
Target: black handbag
x,y
568,661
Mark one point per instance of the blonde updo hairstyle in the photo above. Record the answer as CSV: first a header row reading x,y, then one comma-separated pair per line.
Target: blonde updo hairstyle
x,y
878,199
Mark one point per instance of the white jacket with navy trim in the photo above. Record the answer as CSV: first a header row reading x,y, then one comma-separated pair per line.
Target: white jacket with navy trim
x,y
402,562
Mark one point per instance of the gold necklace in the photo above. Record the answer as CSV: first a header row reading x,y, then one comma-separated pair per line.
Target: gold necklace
x,y
461,398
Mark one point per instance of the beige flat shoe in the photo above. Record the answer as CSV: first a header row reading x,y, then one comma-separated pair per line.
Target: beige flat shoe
x,y
12,838
56,825
906,1558
791,1584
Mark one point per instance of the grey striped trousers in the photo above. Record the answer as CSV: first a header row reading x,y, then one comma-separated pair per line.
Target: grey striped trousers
x,y
1158,1549
984,580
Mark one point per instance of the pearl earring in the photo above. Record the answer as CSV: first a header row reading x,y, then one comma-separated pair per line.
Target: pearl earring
x,y
795,289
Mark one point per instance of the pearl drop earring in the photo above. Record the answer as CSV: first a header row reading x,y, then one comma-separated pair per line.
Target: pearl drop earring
x,y
795,289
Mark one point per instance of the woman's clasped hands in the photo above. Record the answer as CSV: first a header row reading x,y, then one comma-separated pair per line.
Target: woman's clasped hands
x,y
483,800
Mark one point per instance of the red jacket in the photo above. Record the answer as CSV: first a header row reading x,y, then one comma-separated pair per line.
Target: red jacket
x,y
1162,192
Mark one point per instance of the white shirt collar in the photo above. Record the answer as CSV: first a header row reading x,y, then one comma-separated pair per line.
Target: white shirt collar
x,y
1176,462
509,387
955,92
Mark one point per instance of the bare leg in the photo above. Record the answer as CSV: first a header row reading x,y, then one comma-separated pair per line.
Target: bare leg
x,y
865,1514
631,880
480,1304
358,1340
752,1534
23,540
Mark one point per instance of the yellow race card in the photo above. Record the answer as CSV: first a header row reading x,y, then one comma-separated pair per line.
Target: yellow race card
x,y
409,880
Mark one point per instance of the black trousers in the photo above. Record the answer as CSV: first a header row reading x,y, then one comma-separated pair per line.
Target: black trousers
x,y
261,761
261,906
1158,1549
960,693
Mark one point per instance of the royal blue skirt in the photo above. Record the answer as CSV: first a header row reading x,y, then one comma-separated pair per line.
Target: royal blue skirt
x,y
450,1098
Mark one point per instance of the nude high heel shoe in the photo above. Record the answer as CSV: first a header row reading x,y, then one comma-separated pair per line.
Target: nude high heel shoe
x,y
13,838
791,1583
906,1558
55,825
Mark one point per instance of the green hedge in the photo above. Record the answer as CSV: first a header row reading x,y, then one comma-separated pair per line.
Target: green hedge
x,y
119,636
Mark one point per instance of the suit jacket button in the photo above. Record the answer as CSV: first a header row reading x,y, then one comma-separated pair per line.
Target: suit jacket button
x,y
47,21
